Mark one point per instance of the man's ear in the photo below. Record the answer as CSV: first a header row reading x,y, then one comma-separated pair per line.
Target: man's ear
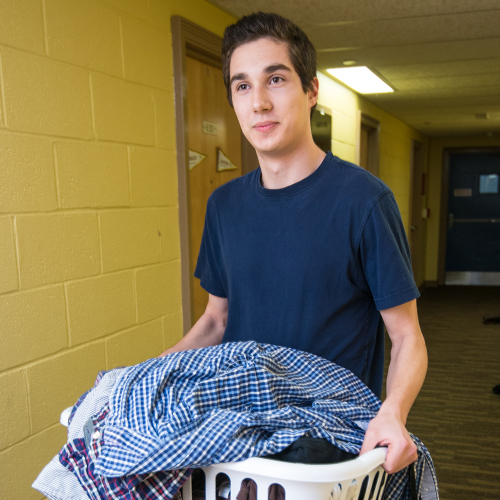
x,y
313,93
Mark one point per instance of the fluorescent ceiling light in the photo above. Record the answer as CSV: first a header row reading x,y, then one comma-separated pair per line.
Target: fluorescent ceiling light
x,y
360,79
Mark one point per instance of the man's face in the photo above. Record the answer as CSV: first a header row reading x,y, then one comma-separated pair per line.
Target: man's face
x,y
271,106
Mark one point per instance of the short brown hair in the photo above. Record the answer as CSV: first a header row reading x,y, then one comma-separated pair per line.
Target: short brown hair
x,y
265,25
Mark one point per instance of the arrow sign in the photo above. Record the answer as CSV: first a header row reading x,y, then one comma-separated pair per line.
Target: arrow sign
x,y
195,159
223,162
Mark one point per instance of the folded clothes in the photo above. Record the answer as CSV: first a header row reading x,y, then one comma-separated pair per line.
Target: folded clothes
x,y
227,403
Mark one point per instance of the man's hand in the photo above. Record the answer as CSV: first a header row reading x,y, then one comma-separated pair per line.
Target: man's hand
x,y
387,430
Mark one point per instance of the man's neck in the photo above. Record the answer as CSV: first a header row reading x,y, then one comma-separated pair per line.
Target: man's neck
x,y
280,171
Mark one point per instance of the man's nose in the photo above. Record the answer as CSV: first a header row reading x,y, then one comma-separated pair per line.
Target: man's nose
x,y
261,101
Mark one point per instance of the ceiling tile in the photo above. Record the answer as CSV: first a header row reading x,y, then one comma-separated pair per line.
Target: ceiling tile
x,y
452,68
411,30
438,52
325,11
446,83
443,57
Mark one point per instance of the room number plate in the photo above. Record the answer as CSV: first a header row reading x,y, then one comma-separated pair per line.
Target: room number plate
x,y
209,128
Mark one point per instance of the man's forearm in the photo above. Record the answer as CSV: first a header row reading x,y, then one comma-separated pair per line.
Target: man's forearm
x,y
408,364
406,375
206,332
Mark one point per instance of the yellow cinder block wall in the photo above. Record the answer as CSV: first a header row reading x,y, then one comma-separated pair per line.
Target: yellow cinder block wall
x,y
89,236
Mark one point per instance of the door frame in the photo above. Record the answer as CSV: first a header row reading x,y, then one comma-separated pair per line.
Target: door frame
x,y
191,40
443,216
417,164
373,141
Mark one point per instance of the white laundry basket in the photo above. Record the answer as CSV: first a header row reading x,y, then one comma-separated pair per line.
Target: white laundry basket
x,y
360,479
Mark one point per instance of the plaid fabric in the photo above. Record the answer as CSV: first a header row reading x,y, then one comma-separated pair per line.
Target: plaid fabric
x,y
56,481
398,484
231,402
80,459
82,398
282,394
228,403
77,459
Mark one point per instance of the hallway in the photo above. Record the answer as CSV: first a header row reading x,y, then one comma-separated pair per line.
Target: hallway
x,y
456,414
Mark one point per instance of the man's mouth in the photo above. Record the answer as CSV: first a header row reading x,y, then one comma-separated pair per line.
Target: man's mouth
x,y
264,126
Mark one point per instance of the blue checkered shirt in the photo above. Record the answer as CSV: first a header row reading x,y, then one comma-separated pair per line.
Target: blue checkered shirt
x,y
235,401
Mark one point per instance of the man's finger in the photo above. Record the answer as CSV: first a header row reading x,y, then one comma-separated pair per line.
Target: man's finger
x,y
370,442
398,459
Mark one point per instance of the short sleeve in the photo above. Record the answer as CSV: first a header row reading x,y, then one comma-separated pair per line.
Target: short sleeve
x,y
209,266
385,255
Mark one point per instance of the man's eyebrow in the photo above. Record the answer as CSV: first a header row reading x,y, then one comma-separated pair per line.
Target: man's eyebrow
x,y
238,76
276,67
270,69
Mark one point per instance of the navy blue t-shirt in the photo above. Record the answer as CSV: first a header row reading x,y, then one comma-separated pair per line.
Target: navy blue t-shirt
x,y
310,265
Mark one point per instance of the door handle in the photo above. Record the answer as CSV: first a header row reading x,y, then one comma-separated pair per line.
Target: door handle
x,y
413,228
494,221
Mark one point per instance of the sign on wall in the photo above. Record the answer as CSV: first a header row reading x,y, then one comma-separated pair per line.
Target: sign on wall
x,y
462,192
223,162
209,128
195,158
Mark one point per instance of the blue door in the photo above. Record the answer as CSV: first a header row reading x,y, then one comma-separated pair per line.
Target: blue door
x,y
473,234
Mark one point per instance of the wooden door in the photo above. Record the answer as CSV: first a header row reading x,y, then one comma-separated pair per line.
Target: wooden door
x,y
212,129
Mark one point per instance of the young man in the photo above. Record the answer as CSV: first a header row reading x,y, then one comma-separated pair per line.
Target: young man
x,y
308,251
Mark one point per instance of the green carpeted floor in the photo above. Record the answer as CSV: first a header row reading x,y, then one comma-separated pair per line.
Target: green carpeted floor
x,y
456,414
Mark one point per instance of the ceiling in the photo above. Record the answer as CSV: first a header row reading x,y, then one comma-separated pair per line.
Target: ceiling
x,y
442,57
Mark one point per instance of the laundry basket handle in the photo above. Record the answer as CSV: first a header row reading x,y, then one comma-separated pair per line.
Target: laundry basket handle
x,y
373,458
64,418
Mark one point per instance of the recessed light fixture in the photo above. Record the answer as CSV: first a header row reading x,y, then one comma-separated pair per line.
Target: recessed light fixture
x,y
360,79
350,62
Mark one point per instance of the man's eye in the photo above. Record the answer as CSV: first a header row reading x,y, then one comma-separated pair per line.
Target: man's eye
x,y
242,86
276,79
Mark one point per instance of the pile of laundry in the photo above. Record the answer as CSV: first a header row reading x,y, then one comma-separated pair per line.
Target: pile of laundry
x,y
141,430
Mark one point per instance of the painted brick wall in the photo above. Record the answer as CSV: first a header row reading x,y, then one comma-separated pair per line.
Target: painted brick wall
x,y
89,237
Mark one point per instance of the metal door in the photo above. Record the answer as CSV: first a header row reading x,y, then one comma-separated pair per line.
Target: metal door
x,y
473,234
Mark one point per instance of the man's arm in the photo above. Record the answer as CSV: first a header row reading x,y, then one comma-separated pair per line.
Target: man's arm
x,y
406,375
208,330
